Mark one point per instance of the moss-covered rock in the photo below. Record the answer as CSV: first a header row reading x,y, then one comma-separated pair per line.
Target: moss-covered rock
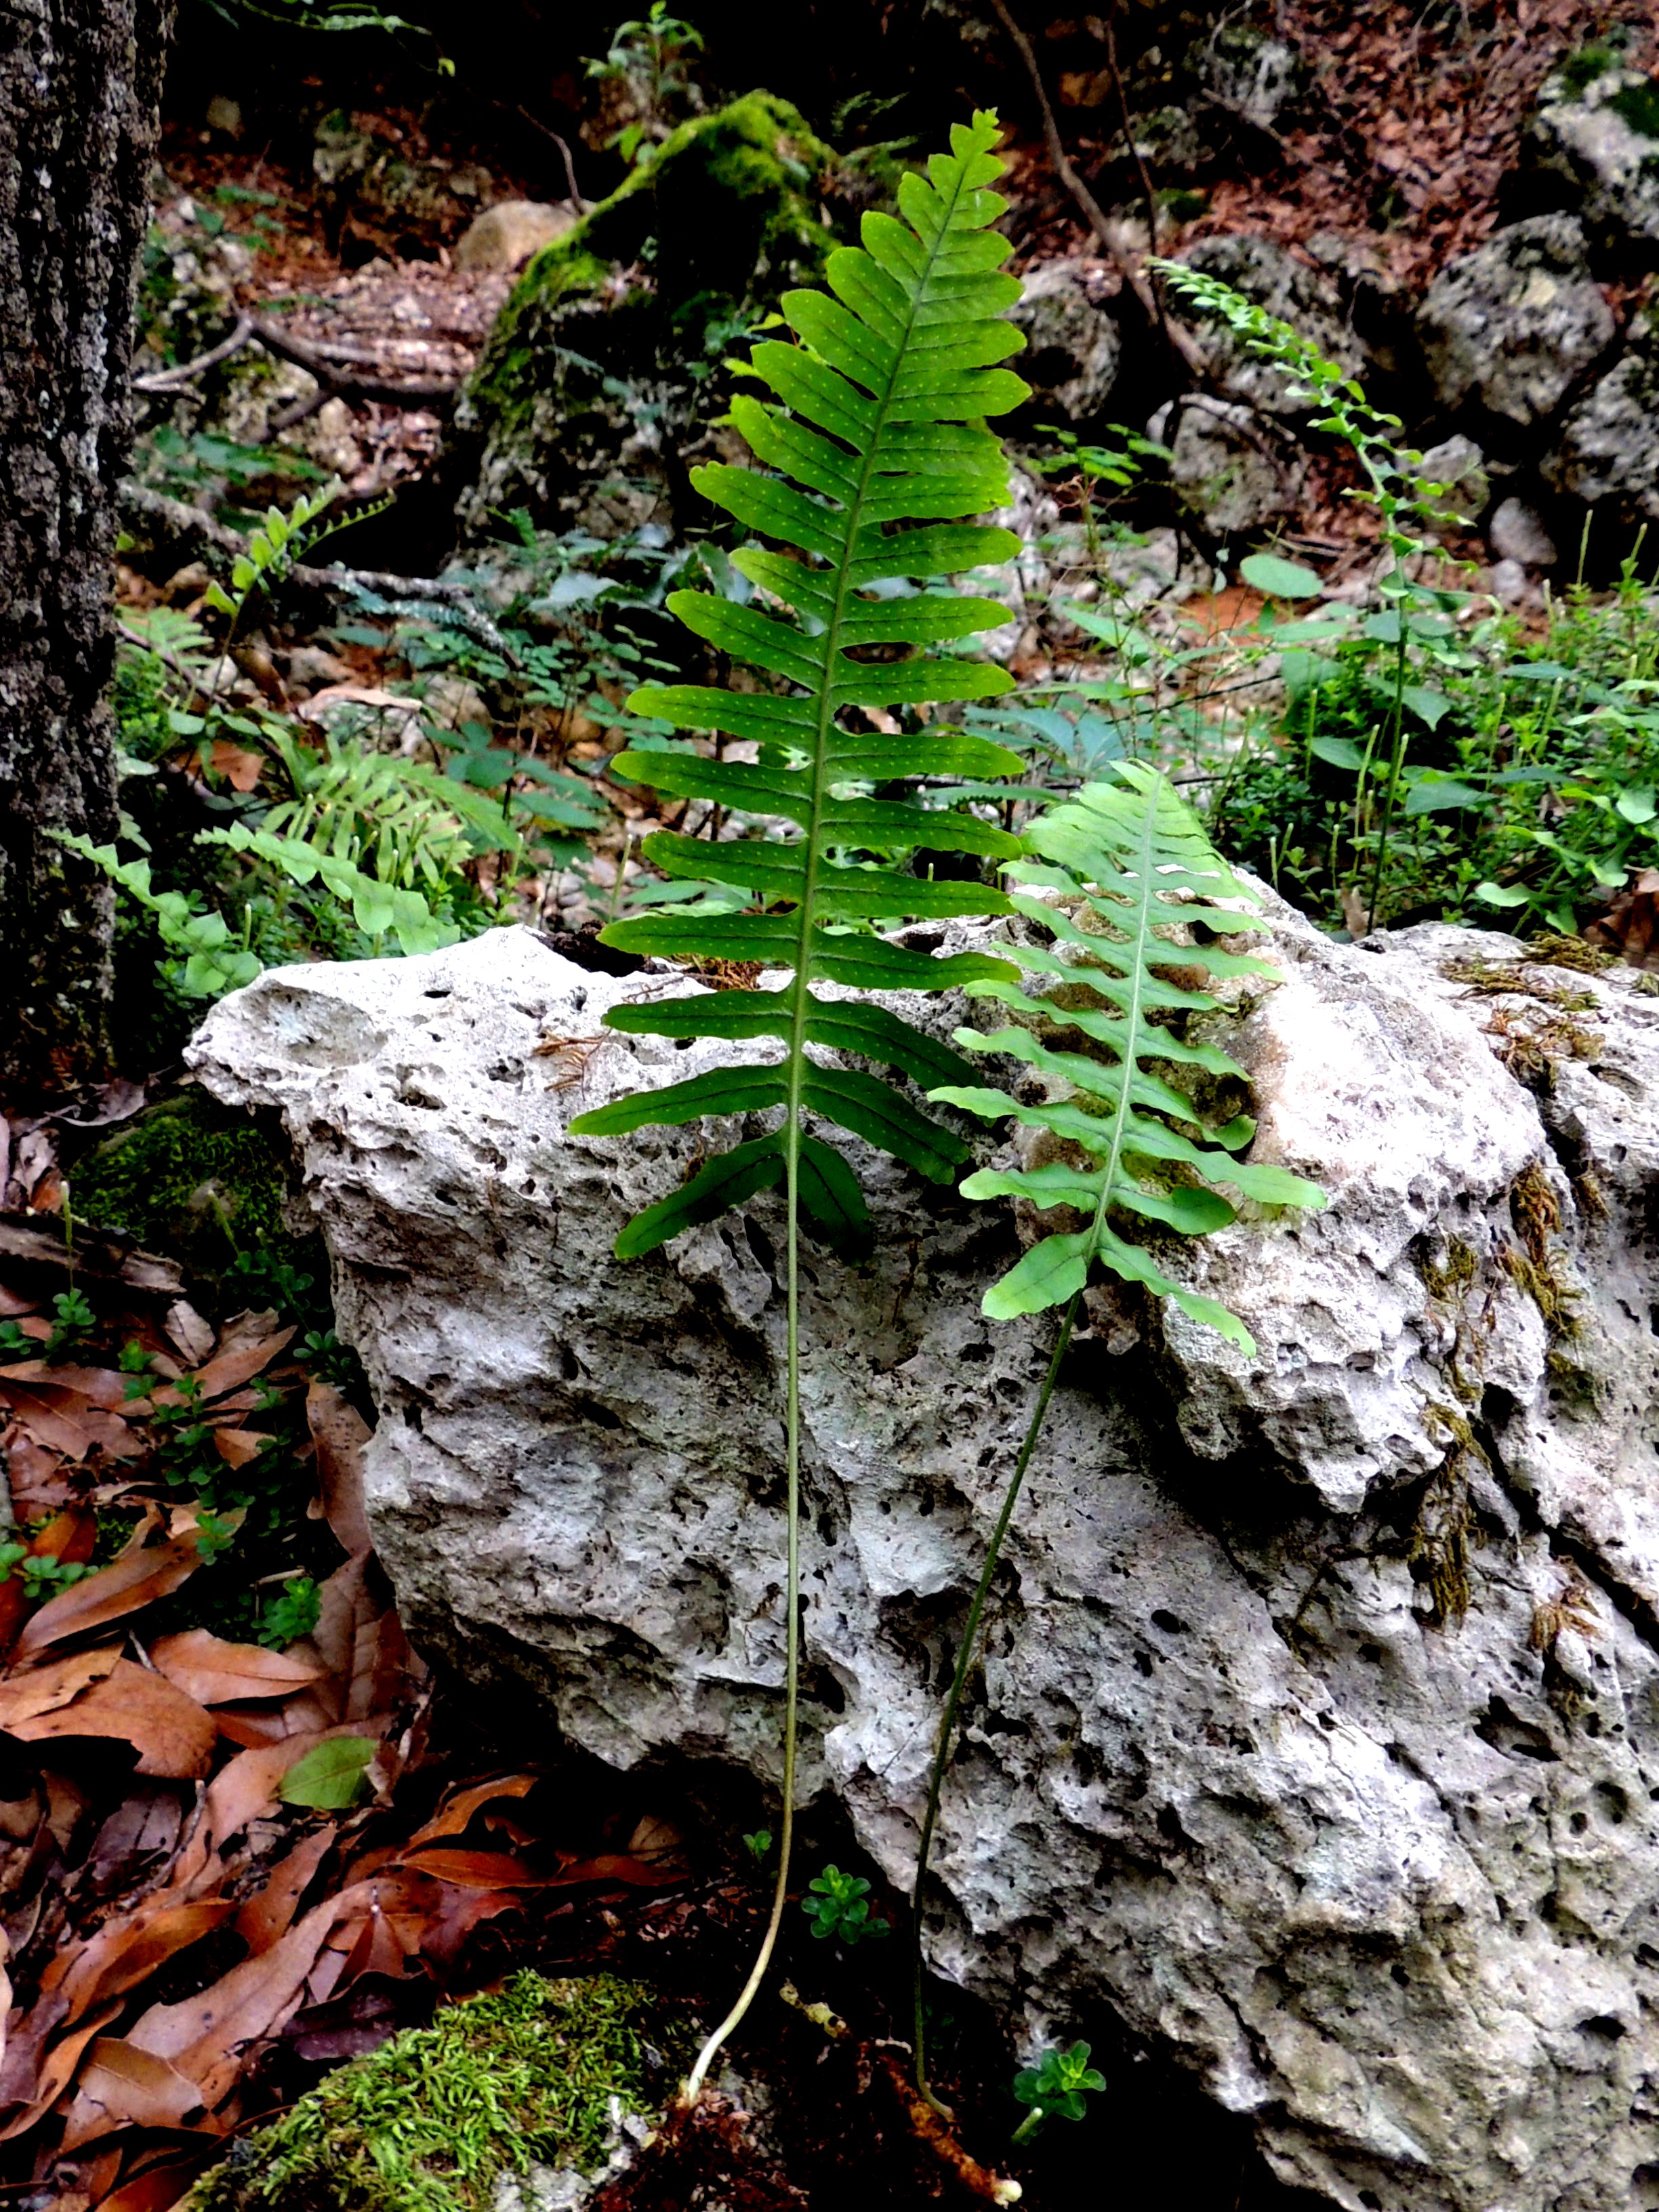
x,y
193,1178
536,2083
582,405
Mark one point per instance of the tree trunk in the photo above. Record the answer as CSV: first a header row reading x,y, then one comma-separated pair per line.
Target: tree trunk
x,y
80,87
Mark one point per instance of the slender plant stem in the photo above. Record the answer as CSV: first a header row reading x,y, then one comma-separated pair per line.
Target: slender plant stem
x,y
959,1682
801,1004
1396,761
792,1630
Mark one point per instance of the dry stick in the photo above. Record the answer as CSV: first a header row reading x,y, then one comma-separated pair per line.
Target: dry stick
x,y
535,122
191,521
315,363
170,379
1109,234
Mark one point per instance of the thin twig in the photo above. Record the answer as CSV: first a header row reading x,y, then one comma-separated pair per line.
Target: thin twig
x,y
535,122
1111,236
170,379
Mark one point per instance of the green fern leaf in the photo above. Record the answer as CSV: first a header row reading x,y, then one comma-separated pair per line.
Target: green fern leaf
x,y
872,466
1131,860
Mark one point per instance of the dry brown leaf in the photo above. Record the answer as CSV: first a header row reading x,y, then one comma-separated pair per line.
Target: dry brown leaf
x,y
215,1672
57,2070
239,1448
458,1809
120,2086
174,1736
137,1578
241,769
161,2185
127,1951
270,1912
42,1689
480,1869
340,1433
99,1386
190,1334
240,1357
203,2035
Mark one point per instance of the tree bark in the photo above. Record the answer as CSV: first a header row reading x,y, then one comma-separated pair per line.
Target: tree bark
x,y
79,89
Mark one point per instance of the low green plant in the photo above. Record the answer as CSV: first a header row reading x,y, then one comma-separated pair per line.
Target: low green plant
x,y
1056,2088
650,54
838,1907
41,1575
292,1614
1120,887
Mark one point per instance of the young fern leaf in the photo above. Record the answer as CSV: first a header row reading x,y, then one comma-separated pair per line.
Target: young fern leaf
x,y
1133,856
1130,861
876,455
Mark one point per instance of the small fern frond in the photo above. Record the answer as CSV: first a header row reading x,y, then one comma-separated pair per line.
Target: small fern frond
x,y
869,466
1131,863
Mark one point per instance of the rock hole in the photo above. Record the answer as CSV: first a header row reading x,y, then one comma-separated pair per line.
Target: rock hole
x,y
1170,1623
1504,1730
603,1418
1397,1973
760,1244
1644,2189
1604,2028
1611,1805
1578,1823
1371,1654
972,1352
569,1366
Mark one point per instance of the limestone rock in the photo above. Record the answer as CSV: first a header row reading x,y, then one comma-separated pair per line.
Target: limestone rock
x,y
1518,532
1599,130
1319,1735
1233,467
1247,73
1306,298
506,236
1072,341
1608,451
1512,325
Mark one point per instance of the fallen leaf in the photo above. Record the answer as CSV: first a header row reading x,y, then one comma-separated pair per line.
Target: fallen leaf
x,y
331,1777
238,1359
270,1912
239,1448
215,1672
203,2036
42,1689
339,1432
137,1578
120,2086
480,1869
189,1332
125,1952
174,1736
57,2071
241,769
456,1812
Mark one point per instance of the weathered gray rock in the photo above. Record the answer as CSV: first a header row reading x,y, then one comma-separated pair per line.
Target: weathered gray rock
x,y
1511,326
1306,298
506,236
1602,135
1382,1871
1072,341
1232,466
1518,532
1608,451
1247,73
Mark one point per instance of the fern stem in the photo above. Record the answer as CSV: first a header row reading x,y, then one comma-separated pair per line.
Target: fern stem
x,y
959,1682
791,1631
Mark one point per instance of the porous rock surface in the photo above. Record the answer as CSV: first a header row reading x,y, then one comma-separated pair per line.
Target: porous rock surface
x,y
1511,326
1319,1735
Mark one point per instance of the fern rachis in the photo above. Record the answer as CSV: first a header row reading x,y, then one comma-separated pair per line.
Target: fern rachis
x,y
885,392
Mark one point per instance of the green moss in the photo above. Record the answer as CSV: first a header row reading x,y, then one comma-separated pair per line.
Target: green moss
x,y
438,2116
649,288
1638,105
193,1178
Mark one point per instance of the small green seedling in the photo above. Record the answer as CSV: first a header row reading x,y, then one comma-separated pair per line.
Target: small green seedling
x,y
841,1907
758,1844
1054,2089
72,1318
13,1342
40,1575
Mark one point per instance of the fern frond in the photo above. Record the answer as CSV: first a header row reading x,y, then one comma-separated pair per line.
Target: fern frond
x,y
870,464
1131,860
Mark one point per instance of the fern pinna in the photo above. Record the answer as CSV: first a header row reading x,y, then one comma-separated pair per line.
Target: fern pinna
x,y
1128,862
881,430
